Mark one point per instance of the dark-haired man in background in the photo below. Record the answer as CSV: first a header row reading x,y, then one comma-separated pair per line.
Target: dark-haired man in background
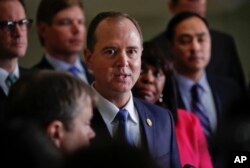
x,y
224,57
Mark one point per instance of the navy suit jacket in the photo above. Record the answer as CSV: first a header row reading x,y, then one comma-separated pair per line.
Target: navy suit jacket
x,y
159,139
224,57
44,64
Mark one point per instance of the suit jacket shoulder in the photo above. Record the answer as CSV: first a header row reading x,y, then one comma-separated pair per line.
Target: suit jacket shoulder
x,y
158,126
43,64
224,54
227,94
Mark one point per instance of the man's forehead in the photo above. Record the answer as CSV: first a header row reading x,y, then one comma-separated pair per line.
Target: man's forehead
x,y
191,23
191,28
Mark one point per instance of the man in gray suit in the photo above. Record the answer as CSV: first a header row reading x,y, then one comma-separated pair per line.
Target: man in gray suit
x,y
224,56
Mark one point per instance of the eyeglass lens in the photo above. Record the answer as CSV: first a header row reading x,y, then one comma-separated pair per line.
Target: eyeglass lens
x,y
11,25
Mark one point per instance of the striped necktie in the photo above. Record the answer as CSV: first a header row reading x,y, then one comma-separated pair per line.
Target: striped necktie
x,y
199,110
10,80
74,71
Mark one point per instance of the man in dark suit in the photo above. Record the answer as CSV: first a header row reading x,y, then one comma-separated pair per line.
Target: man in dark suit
x,y
224,57
114,48
190,45
61,29
13,44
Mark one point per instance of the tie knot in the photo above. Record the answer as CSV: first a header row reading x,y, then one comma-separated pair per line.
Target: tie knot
x,y
74,70
122,115
10,80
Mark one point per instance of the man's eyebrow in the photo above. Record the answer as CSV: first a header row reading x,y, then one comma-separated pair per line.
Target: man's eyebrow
x,y
108,47
201,34
133,47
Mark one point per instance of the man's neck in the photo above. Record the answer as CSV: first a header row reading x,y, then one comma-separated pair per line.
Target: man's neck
x,y
118,99
194,76
8,64
68,58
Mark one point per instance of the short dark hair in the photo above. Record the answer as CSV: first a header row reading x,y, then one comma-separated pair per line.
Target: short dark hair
x,y
177,19
45,96
91,39
174,1
47,9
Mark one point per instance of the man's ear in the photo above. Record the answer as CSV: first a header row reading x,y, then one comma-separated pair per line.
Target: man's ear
x,y
41,29
55,131
88,57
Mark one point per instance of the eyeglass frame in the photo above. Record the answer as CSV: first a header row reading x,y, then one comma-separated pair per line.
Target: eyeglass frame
x,y
10,25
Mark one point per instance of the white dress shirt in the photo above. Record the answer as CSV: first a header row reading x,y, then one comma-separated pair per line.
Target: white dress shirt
x,y
60,65
108,112
3,75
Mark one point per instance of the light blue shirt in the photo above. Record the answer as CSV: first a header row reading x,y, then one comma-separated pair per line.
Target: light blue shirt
x,y
185,84
108,112
60,65
3,76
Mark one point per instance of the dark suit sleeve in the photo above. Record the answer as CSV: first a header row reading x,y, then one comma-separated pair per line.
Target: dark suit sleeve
x,y
175,160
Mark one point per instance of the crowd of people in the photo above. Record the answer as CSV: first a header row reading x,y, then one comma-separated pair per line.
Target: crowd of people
x,y
178,100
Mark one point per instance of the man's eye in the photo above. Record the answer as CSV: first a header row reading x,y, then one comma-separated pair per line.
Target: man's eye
x,y
185,39
10,24
64,22
202,39
132,53
81,22
110,51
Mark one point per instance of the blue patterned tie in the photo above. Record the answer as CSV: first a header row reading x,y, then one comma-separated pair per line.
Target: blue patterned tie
x,y
10,80
122,134
74,71
199,110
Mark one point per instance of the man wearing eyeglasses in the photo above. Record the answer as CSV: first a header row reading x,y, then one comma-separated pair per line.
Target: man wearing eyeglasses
x,y
61,29
13,44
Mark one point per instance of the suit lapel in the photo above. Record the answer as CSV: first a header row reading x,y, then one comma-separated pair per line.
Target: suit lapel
x,y
179,98
102,134
90,78
147,128
216,96
23,71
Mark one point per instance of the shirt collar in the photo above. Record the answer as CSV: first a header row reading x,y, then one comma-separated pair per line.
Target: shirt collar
x,y
108,110
61,65
4,74
204,83
186,83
